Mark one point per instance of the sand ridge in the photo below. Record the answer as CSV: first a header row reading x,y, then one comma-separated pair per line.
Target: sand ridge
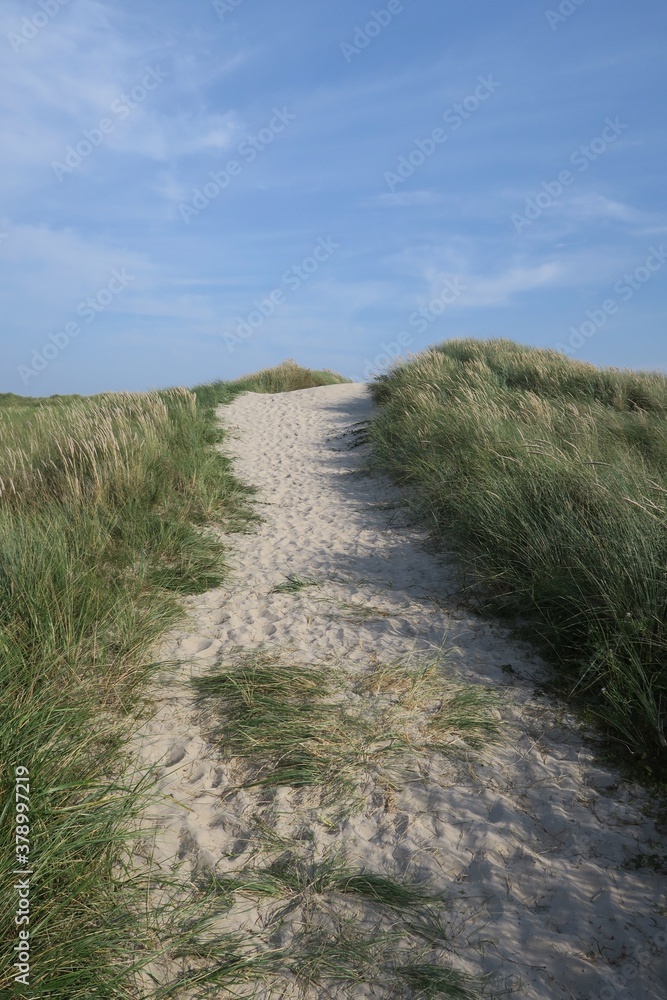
x,y
538,845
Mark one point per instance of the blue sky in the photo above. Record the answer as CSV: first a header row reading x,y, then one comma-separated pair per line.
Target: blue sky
x,y
387,177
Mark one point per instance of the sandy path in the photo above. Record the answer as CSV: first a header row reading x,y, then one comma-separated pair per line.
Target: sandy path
x,y
534,843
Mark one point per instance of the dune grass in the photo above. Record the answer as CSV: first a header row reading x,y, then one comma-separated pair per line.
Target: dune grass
x,y
549,478
428,980
105,509
311,727
278,719
327,924
337,733
286,377
328,961
345,926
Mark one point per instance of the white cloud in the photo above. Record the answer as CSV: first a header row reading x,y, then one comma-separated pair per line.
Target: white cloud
x,y
67,78
157,137
501,288
48,271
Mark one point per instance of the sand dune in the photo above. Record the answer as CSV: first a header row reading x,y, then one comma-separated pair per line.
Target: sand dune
x,y
537,845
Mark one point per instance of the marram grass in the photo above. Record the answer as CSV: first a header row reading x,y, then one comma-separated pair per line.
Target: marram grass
x,y
303,727
549,478
105,508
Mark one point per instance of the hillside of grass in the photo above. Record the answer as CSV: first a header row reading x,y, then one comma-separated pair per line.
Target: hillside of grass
x,y
286,377
548,477
106,506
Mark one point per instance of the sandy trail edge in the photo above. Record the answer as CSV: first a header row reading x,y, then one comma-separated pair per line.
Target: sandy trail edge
x,y
534,844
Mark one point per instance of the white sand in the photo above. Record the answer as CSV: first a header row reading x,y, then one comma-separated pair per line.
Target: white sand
x,y
531,846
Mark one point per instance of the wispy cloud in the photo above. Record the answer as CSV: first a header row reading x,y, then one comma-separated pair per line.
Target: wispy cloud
x,y
83,68
220,80
500,289
47,270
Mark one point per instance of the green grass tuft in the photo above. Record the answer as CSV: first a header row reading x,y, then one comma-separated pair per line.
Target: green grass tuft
x,y
296,726
286,377
290,874
276,717
428,981
294,584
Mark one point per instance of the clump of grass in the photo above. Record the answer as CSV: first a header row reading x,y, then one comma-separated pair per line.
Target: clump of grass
x,y
464,720
294,584
380,889
329,947
296,726
415,683
315,727
430,980
213,961
549,478
278,719
105,506
342,955
291,874
286,377
441,714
